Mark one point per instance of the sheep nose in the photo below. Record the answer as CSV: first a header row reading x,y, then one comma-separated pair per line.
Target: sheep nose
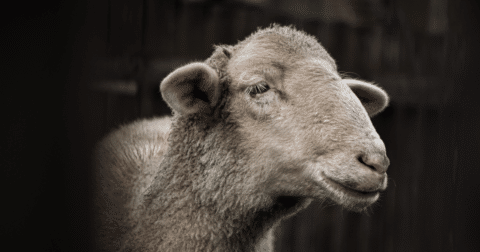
x,y
377,162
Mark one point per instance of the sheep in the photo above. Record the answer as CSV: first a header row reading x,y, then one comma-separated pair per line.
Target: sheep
x,y
258,131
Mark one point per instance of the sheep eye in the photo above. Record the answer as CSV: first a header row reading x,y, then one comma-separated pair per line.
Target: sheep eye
x,y
256,89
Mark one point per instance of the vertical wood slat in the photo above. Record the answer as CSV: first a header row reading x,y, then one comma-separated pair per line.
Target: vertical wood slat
x,y
350,51
326,223
371,46
247,19
430,193
97,13
364,233
381,218
96,122
310,226
448,119
325,36
256,17
190,36
196,45
338,230
160,28
220,21
384,214
212,23
126,27
463,65
241,19
408,165
391,53
285,240
181,36
224,29
352,228
99,33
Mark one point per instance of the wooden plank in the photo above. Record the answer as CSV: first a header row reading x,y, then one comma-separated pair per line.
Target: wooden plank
x,y
256,17
126,27
352,228
97,19
123,87
445,185
436,181
350,50
190,33
105,68
212,24
120,78
225,27
96,123
326,36
387,127
285,241
338,231
419,90
332,34
105,72
240,24
464,38
405,173
157,69
415,13
308,226
160,28
391,51
326,224
329,11
428,177
371,49
437,22
383,212
182,35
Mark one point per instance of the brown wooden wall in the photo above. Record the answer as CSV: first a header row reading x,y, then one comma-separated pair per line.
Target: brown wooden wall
x,y
424,53
413,49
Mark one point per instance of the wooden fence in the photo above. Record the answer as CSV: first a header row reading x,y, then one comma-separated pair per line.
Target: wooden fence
x,y
416,50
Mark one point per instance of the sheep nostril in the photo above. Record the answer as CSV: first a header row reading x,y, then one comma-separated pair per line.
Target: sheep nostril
x,y
360,159
378,163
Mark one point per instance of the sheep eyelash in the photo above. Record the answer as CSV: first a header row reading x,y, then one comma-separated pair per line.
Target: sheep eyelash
x,y
258,88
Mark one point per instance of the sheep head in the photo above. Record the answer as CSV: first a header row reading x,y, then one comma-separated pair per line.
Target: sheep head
x,y
304,131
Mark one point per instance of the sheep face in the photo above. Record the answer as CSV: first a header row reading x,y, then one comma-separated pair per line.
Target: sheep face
x,y
305,131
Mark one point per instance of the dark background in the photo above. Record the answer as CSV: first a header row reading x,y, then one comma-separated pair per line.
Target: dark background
x,y
72,71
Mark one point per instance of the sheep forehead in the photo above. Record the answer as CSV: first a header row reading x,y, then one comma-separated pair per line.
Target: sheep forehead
x,y
284,41
256,54
286,37
271,55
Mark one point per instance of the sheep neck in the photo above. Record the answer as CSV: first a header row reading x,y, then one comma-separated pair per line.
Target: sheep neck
x,y
199,199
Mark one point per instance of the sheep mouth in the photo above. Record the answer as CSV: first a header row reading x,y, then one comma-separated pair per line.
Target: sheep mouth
x,y
339,187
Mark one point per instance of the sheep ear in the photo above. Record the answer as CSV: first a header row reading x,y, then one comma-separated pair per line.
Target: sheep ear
x,y
373,98
191,89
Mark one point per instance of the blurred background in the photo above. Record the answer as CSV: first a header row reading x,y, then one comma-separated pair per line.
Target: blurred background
x,y
73,71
